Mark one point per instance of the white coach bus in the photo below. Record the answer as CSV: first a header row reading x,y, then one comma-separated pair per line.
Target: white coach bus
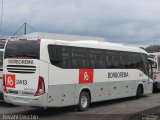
x,y
57,73
156,70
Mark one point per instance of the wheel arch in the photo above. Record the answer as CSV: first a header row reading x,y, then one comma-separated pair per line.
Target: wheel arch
x,y
141,85
88,90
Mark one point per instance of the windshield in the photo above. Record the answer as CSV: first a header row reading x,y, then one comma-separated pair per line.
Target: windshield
x,y
158,62
22,49
1,59
152,56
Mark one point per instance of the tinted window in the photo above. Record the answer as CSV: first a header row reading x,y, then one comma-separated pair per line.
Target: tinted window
x,y
127,60
152,56
76,57
22,48
69,57
79,57
113,59
1,59
59,56
97,58
139,64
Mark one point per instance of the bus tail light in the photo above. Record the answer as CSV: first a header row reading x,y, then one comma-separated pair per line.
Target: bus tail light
x,y
4,86
41,87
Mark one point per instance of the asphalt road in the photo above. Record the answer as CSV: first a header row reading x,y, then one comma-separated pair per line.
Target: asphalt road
x,y
121,109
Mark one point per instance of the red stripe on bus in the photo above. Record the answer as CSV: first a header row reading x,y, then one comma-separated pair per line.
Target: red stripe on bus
x,y
156,72
1,78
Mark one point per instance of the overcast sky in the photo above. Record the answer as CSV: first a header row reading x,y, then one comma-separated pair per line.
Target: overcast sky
x,y
134,22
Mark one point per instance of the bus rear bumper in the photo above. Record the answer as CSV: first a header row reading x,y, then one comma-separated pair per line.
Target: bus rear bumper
x,y
32,101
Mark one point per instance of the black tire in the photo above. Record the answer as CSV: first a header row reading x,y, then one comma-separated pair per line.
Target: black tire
x,y
139,92
84,101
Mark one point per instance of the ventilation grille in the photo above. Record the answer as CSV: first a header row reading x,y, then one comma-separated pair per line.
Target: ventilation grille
x,y
21,69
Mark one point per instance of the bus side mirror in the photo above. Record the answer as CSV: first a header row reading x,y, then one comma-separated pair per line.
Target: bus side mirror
x,y
154,64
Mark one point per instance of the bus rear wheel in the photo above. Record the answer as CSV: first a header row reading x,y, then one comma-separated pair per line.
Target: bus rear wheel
x,y
139,92
84,101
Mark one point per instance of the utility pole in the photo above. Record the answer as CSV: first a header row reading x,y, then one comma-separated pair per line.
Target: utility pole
x,y
25,28
25,25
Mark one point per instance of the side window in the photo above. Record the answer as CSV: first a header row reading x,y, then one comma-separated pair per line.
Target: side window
x,y
1,59
127,60
97,59
134,60
55,54
79,57
139,62
146,64
113,59
66,57
59,55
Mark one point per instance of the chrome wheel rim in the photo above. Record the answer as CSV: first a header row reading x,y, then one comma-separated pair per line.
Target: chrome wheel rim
x,y
84,101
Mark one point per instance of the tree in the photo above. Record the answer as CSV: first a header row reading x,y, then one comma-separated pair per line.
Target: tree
x,y
152,48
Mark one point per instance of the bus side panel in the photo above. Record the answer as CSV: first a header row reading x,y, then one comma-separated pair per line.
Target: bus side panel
x,y
150,86
128,88
44,74
54,96
89,86
54,89
101,91
68,94
61,90
115,89
61,95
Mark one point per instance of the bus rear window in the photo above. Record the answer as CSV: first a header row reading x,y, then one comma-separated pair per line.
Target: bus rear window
x,y
22,49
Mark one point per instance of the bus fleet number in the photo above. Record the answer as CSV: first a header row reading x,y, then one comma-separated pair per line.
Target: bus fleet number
x,y
22,82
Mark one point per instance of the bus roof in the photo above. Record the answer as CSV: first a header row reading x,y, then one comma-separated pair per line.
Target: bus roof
x,y
81,41
98,45
68,37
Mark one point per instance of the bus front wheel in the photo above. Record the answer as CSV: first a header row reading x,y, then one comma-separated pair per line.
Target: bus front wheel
x,y
139,92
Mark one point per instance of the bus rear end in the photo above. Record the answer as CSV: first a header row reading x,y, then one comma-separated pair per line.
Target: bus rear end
x,y
23,84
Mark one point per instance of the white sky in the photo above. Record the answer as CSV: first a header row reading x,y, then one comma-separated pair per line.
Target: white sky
x,y
134,22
